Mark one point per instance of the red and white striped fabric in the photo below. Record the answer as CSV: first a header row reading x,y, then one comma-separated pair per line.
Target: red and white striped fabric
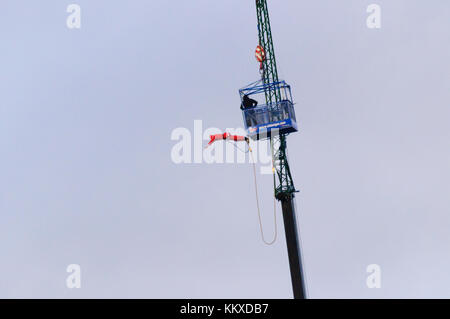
x,y
260,54
226,136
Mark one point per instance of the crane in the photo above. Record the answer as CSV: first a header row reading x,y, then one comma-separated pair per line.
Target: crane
x,y
261,122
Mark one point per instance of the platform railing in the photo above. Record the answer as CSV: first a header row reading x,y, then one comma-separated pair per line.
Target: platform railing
x,y
263,114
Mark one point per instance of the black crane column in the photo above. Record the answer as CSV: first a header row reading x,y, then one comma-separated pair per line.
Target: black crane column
x,y
293,246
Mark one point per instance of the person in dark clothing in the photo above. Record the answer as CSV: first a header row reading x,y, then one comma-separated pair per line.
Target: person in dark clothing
x,y
248,103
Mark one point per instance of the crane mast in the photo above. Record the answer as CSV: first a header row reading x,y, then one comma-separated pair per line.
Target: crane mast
x,y
284,184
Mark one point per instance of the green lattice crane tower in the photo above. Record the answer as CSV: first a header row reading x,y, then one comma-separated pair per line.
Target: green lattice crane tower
x,y
284,184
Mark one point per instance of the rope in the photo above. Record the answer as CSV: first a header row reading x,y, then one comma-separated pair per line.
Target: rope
x,y
259,211
261,228
238,148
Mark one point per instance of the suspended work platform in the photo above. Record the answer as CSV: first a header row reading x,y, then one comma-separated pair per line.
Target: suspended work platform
x,y
264,119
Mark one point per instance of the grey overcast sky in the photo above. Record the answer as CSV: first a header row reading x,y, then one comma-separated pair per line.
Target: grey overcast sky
x,y
86,175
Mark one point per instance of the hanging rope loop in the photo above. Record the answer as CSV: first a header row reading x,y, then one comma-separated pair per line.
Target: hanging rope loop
x,y
261,228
